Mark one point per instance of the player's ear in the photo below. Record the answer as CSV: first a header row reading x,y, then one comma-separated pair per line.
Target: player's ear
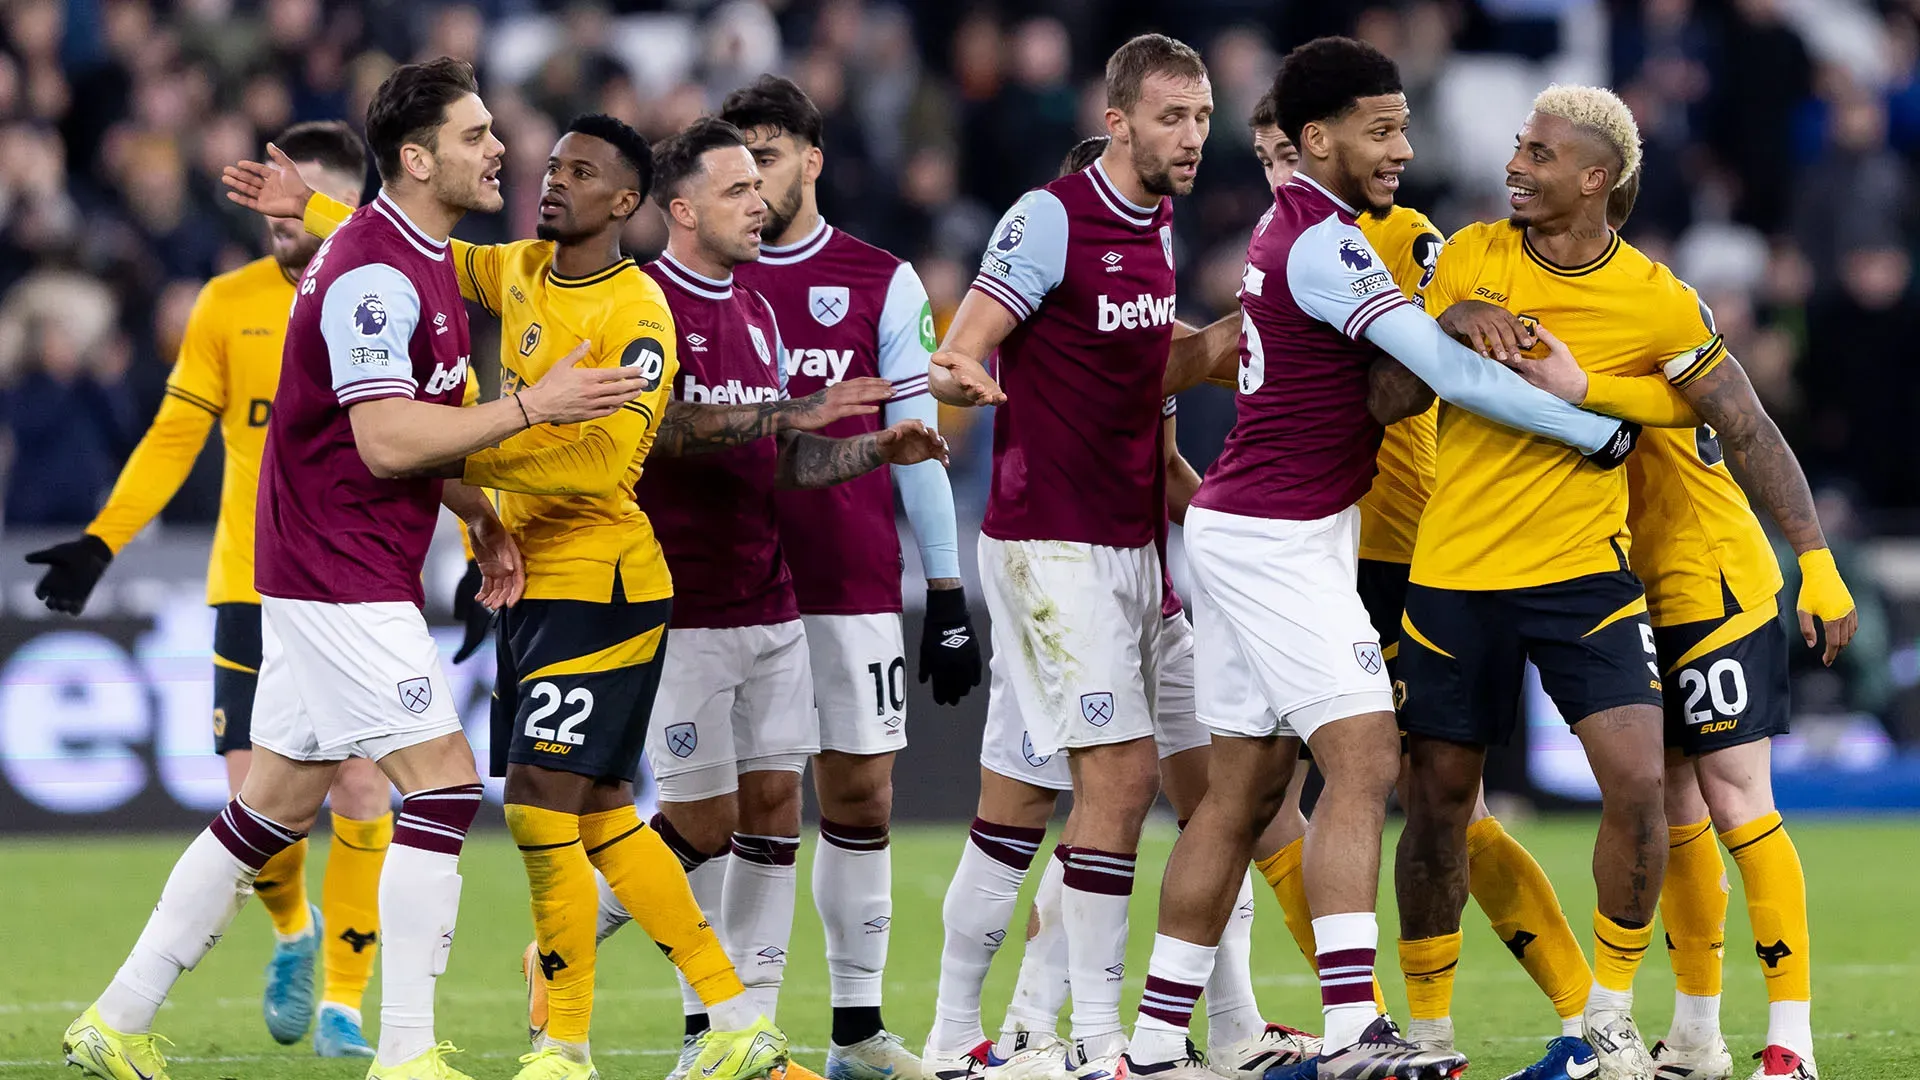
x,y
815,161
682,213
1117,128
1598,179
417,160
626,203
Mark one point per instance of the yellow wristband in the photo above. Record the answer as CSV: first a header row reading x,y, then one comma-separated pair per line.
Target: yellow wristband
x,y
1822,593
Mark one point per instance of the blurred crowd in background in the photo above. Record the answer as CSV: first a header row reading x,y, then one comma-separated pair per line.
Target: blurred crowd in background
x,y
1781,137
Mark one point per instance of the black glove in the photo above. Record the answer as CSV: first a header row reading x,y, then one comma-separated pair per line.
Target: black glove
x,y
1619,445
73,569
949,649
470,611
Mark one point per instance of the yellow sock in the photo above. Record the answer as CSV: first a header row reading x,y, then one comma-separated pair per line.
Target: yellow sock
x,y
1693,908
1776,888
282,887
652,885
1520,903
350,905
565,906
1429,965
1282,871
1617,952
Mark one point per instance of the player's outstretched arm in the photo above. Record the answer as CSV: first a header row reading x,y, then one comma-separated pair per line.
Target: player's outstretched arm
x,y
957,373
503,574
1466,379
1199,354
815,461
1494,332
1765,466
1394,393
688,429
1183,483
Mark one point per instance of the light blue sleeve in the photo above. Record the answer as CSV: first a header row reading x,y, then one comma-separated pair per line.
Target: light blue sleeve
x,y
926,494
1335,276
1028,255
1465,378
906,333
367,318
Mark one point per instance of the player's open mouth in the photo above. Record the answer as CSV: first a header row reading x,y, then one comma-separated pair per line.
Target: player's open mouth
x,y
1388,178
1519,195
552,207
491,177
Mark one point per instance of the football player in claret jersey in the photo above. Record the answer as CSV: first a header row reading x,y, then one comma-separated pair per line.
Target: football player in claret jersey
x,y
228,366
590,632
1711,585
1284,646
1506,882
366,415
848,309
1018,792
735,725
1076,292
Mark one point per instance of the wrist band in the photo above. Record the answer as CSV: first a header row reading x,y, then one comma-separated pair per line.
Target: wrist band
x,y
523,409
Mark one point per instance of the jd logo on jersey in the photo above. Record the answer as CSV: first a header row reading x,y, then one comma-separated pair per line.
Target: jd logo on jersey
x,y
530,340
648,358
828,303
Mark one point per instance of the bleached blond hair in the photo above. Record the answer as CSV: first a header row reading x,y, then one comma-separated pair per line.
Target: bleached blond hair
x,y
1600,111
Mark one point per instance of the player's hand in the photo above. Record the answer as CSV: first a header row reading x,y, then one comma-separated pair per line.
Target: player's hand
x,y
273,189
1618,447
971,378
1488,329
570,394
73,569
911,442
503,575
1824,597
949,649
854,397
1558,373
470,611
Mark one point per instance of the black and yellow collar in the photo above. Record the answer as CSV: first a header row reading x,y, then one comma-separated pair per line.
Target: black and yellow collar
x,y
595,278
1588,267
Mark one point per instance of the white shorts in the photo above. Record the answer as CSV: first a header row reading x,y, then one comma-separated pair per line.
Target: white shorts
x,y
1073,634
732,700
1006,748
859,682
1283,643
348,680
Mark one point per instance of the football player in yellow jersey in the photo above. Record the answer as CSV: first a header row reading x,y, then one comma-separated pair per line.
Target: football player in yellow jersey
x,y
580,655
1504,878
1527,551
227,371
1711,586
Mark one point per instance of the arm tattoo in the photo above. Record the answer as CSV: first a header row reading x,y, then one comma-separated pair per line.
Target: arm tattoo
x,y
815,461
1756,452
689,429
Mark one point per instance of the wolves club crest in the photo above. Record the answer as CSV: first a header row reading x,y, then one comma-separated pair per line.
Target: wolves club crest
x,y
828,303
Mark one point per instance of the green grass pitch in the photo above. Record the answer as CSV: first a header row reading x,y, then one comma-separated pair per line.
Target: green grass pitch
x,y
73,906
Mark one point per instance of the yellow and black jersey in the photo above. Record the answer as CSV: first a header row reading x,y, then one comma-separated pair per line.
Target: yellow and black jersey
x,y
1696,541
1390,510
576,530
227,371
1513,510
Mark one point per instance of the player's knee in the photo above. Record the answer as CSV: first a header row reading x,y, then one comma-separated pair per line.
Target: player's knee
x,y
360,791
1736,785
769,802
1118,781
1006,801
855,791
708,825
1637,792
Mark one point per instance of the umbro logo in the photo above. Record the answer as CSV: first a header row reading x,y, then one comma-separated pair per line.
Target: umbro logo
x,y
440,324
1112,259
878,924
1118,971
696,342
955,639
772,954
996,937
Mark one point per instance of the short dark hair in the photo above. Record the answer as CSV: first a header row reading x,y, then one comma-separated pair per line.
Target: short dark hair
x,y
678,158
330,142
634,150
1621,199
1266,111
410,106
776,102
1084,153
1324,78
1148,54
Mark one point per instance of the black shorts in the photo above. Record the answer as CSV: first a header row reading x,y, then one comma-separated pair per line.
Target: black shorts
x,y
1726,681
1463,654
576,684
236,672
1383,592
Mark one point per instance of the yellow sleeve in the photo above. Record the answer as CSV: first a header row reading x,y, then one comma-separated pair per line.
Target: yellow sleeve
x,y
324,214
1644,399
196,397
476,265
1693,344
1452,274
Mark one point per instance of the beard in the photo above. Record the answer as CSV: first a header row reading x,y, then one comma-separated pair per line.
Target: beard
x,y
1155,175
1354,183
294,259
781,213
466,193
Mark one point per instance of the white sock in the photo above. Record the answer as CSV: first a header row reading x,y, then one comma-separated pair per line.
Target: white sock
x,y
1346,944
1599,997
853,891
1176,977
1696,1019
1233,1015
733,1014
1789,1024
419,904
207,888
1574,1026
978,906
1042,988
612,915
709,882
1097,886
757,912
